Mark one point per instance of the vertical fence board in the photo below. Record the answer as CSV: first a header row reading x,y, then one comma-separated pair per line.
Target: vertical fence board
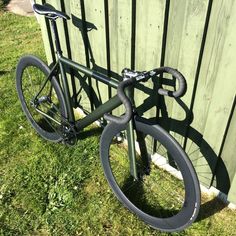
x,y
97,40
232,192
149,30
75,25
120,37
188,52
45,36
227,154
77,31
173,42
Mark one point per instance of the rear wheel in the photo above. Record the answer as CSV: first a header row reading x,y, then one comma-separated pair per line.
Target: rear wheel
x,y
167,193
47,111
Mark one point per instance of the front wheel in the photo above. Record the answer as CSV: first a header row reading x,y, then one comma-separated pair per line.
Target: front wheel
x,y
167,195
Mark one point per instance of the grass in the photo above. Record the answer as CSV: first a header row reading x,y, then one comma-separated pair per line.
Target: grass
x,y
51,189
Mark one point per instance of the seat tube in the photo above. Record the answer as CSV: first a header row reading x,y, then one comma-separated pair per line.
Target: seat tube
x,y
66,90
64,80
56,38
131,138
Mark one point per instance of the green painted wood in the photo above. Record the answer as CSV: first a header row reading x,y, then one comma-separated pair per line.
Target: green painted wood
x,y
227,156
75,29
184,40
120,38
232,192
77,42
185,57
173,43
148,44
44,32
97,40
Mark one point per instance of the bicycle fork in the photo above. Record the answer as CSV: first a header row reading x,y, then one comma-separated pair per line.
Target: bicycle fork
x,y
131,137
136,173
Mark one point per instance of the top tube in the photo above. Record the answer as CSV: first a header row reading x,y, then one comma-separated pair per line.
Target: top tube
x,y
90,72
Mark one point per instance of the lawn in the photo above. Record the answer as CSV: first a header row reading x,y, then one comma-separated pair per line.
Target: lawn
x,y
52,189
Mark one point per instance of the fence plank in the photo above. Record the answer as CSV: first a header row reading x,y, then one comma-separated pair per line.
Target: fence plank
x,y
148,45
173,43
225,169
120,38
45,35
97,42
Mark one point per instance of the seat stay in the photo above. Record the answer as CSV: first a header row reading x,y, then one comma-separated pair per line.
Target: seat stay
x,y
49,11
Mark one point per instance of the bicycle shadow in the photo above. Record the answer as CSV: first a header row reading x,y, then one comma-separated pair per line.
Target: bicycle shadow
x,y
196,146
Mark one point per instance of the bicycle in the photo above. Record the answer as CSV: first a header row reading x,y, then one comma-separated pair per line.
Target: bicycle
x,y
156,182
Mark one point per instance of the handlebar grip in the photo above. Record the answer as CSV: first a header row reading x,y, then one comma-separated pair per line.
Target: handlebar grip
x,y
128,107
181,81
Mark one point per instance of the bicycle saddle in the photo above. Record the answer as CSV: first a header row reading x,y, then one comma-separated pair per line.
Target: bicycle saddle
x,y
49,11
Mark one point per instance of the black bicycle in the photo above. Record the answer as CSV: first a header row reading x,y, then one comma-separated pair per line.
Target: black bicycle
x,y
149,172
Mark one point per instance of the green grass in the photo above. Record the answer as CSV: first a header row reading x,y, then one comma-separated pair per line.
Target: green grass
x,y
51,189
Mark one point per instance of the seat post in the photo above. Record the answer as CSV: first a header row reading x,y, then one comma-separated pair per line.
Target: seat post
x,y
56,37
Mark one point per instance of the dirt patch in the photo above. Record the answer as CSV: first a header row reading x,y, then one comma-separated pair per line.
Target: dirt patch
x,y
20,7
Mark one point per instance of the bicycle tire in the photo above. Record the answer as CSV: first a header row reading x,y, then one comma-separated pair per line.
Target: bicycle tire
x,y
31,72
131,193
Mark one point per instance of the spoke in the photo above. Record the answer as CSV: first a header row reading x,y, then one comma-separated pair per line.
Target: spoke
x,y
190,146
32,85
162,150
196,159
193,151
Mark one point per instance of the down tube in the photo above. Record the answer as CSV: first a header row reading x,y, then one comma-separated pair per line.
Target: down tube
x,y
99,112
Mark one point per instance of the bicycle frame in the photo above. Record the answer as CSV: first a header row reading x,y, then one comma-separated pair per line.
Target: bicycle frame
x,y
102,109
107,107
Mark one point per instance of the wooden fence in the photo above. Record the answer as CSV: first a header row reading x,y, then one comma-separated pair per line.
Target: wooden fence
x,y
195,36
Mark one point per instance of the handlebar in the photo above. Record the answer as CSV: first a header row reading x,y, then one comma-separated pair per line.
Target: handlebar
x,y
181,81
133,76
125,100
